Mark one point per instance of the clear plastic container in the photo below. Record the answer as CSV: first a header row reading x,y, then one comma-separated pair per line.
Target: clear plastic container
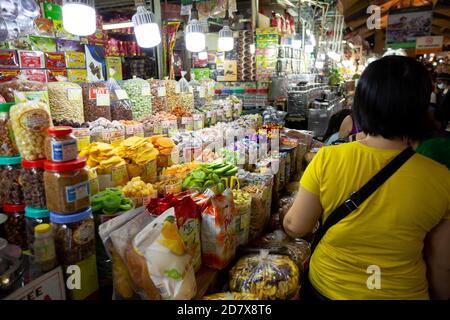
x,y
66,186
60,144
44,247
32,181
15,225
10,186
8,146
33,217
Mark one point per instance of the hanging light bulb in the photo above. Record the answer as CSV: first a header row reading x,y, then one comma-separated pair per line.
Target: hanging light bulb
x,y
194,37
145,28
226,41
79,17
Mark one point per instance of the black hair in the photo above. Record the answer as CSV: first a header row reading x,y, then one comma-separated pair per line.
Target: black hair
x,y
392,98
335,123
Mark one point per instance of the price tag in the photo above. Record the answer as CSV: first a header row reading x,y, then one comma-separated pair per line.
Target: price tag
x,y
177,88
201,92
118,174
157,129
121,94
208,114
161,91
103,100
145,91
166,124
74,94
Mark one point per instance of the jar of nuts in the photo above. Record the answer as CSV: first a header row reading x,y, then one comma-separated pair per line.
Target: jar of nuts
x,y
33,217
60,144
7,143
10,186
15,225
32,181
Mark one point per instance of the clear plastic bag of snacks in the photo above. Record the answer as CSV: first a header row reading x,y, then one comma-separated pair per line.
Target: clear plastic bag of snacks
x,y
159,95
9,89
173,94
140,96
66,101
186,94
120,103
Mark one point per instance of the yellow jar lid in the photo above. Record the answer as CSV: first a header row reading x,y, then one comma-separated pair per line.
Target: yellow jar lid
x,y
42,228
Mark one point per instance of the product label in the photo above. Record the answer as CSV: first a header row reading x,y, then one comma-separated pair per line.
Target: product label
x,y
84,233
161,91
201,92
25,96
63,151
157,128
190,233
74,94
36,120
77,192
93,92
83,137
145,91
103,100
121,94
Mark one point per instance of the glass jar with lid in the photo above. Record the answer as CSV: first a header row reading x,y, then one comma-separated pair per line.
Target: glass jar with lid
x,y
32,181
66,186
10,187
34,217
15,225
60,144
8,146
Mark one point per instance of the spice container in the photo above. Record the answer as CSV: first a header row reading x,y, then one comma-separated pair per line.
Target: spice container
x,y
33,217
10,187
8,146
44,247
60,144
30,121
32,181
66,186
15,225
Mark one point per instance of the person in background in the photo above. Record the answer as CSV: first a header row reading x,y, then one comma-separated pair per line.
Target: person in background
x,y
332,133
442,87
403,228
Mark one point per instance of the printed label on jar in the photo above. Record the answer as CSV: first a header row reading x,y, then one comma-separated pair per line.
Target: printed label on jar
x,y
84,233
64,150
36,120
161,91
121,94
74,94
77,192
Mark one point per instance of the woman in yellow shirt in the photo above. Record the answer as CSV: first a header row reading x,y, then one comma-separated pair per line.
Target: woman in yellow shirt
x,y
396,245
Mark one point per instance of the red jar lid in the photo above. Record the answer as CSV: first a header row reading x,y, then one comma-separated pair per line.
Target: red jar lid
x,y
59,130
13,208
38,164
77,164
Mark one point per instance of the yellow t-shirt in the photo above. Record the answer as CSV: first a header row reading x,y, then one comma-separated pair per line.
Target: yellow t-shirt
x,y
386,231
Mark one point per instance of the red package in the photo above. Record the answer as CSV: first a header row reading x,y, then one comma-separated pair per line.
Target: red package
x,y
31,59
158,205
53,73
36,75
8,74
8,59
55,60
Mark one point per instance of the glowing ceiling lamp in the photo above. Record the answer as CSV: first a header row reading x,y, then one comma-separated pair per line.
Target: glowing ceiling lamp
x,y
194,37
226,40
145,28
79,17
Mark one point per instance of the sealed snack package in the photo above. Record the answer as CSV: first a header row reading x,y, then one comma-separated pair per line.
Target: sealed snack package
x,y
96,101
167,260
120,103
140,96
66,101
122,283
136,264
10,89
218,229
231,296
243,203
265,275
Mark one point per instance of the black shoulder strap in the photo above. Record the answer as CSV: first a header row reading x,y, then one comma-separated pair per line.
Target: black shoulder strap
x,y
358,197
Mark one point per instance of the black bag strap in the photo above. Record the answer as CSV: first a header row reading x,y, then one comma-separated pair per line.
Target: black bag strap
x,y
358,197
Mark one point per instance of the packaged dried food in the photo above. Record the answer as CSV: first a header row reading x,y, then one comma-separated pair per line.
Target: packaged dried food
x,y
53,75
31,59
76,75
140,96
243,203
60,144
9,89
75,59
231,296
66,186
30,121
32,181
159,98
15,225
120,102
34,217
173,94
75,245
10,186
8,146
261,208
55,60
8,59
267,276
66,101
199,90
218,229
37,75
96,101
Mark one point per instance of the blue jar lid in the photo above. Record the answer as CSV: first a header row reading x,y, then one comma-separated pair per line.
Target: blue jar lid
x,y
56,217
36,213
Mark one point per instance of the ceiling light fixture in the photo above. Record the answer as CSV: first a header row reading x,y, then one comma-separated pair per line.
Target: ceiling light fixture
x,y
79,17
145,28
195,39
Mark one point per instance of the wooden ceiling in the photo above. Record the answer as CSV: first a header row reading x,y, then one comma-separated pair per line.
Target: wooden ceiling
x,y
355,14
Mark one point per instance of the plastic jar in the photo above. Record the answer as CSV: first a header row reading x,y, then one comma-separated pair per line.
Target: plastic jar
x,y
74,236
32,181
66,186
15,225
10,188
44,247
60,144
33,217
8,146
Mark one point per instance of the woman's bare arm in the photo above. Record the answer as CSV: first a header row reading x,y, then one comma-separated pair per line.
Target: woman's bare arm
x,y
346,127
437,255
303,215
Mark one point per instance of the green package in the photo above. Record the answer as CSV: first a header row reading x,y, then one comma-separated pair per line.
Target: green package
x,y
44,44
52,11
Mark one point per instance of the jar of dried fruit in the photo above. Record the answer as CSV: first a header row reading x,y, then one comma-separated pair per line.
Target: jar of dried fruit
x,y
15,225
10,187
32,181
7,143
